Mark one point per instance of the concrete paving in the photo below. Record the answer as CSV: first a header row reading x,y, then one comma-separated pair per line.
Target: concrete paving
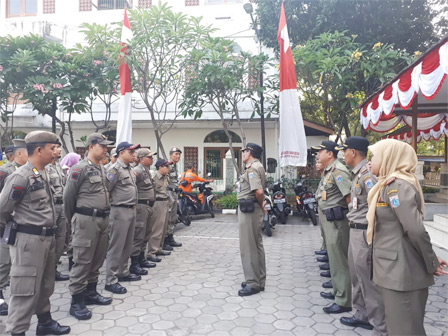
x,y
194,291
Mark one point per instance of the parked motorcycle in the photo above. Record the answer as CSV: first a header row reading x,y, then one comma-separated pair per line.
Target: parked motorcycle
x,y
269,219
280,207
182,212
305,201
193,204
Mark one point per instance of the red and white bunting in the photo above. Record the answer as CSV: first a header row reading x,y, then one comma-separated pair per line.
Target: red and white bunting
x,y
292,141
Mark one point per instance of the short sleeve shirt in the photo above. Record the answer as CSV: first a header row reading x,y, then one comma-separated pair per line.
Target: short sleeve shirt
x,y
253,178
335,186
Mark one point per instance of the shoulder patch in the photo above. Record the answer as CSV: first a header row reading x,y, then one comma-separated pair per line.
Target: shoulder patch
x,y
251,175
74,176
111,175
369,183
390,180
394,201
339,178
2,176
16,192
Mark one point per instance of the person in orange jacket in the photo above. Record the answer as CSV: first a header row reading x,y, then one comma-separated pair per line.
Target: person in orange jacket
x,y
189,176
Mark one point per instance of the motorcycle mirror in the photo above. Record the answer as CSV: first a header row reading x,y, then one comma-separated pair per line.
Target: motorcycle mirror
x,y
303,176
209,174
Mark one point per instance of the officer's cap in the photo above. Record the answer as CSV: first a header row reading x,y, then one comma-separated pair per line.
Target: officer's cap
x,y
162,162
328,145
19,143
254,149
142,152
97,138
9,149
175,150
113,152
355,142
41,137
126,145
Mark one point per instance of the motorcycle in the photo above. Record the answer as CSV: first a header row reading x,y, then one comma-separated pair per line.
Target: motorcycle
x,y
269,219
193,204
305,201
182,212
280,207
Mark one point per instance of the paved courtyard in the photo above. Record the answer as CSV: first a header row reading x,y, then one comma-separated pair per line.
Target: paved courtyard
x,y
194,291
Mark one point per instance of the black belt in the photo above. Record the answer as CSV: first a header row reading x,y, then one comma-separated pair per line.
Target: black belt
x,y
92,212
124,206
162,199
58,201
358,226
146,202
36,230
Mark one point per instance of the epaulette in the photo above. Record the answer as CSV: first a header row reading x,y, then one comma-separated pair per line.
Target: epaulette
x,y
333,169
390,180
363,169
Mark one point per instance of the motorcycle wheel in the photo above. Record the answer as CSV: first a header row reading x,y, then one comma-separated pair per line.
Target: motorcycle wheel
x,y
267,228
312,216
212,212
282,218
187,221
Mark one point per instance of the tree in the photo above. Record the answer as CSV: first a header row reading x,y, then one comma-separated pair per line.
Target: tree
x,y
410,25
219,78
160,49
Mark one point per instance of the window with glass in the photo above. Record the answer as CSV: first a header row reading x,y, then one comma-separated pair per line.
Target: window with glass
x,y
114,4
21,8
214,158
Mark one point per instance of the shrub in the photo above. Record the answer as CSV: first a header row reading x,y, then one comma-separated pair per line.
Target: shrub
x,y
228,201
430,190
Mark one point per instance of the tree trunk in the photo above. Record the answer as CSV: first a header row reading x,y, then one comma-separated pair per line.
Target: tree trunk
x,y
61,134
70,131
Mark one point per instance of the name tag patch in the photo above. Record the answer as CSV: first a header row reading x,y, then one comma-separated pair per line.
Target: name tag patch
x,y
394,201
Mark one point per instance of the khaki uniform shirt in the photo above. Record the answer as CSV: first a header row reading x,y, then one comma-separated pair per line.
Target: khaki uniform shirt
x,y
7,170
85,188
335,186
362,182
27,198
173,176
253,178
57,179
403,258
161,185
121,184
145,183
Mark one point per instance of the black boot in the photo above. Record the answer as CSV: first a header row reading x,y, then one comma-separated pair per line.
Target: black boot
x,y
172,242
70,263
143,262
135,267
3,306
47,326
92,297
61,277
167,246
78,307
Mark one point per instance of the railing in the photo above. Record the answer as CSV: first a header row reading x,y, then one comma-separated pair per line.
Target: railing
x,y
432,179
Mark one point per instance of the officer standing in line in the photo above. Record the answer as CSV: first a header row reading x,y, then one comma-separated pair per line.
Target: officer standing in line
x,y
160,211
146,199
57,182
169,241
27,211
121,185
250,219
367,298
86,206
113,158
9,152
333,197
20,156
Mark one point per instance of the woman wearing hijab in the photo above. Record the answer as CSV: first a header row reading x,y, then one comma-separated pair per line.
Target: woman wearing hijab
x,y
404,263
69,161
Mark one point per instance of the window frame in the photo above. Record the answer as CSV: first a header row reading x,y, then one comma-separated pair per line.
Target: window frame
x,y
127,4
223,151
22,9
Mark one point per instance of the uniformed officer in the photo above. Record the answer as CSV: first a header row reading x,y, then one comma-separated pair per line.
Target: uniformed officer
x,y
161,208
169,241
121,184
333,197
20,157
367,298
57,182
86,206
146,199
404,263
27,211
250,219
113,158
9,152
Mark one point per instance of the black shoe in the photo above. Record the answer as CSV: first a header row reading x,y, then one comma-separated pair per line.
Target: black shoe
x,y
70,263
3,309
154,259
324,267
325,274
354,322
323,259
162,253
170,241
135,267
143,262
92,297
327,284
51,327
78,308
321,252
116,288
21,334
130,277
248,290
336,309
167,247
61,277
326,295
244,284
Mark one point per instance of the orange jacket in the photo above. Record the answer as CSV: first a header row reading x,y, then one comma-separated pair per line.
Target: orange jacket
x,y
190,177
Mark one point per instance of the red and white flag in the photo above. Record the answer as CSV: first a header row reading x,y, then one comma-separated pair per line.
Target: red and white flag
x,y
124,120
292,141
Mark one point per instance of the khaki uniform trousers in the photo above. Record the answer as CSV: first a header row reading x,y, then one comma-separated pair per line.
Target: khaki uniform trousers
x,y
5,265
61,231
90,240
68,240
337,238
141,225
172,216
405,311
121,235
251,247
321,214
158,226
32,279
367,297
148,230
